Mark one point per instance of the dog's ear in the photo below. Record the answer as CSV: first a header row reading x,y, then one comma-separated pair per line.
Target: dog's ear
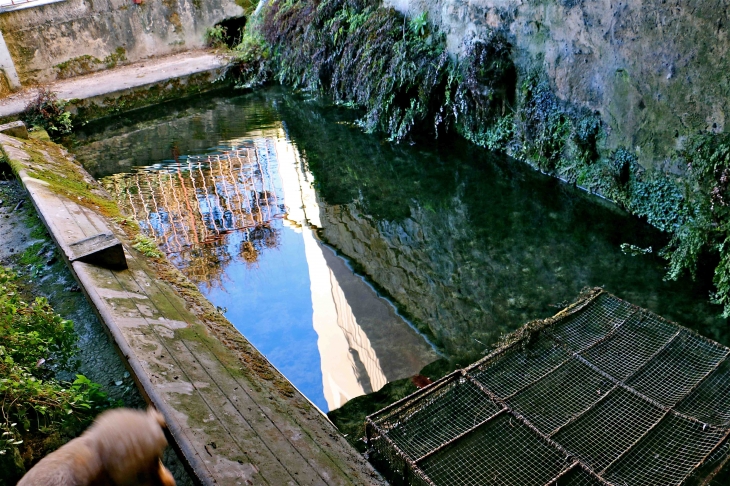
x,y
157,416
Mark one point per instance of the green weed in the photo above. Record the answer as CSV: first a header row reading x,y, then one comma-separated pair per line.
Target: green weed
x,y
48,112
35,343
147,246
216,36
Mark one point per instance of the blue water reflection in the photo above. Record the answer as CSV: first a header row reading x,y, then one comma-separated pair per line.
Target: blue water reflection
x,y
279,323
240,221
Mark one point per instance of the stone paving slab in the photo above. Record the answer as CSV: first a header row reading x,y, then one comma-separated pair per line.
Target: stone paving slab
x,y
119,79
234,422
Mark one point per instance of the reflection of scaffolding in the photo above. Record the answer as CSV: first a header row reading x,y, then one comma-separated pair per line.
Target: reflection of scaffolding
x,y
191,207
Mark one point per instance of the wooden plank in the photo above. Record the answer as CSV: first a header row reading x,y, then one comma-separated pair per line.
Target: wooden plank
x,y
103,249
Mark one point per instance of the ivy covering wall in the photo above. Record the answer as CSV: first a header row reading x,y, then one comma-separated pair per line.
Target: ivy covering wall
x,y
397,71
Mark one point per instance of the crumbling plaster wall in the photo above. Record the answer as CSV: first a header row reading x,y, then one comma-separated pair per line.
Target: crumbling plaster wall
x,y
78,36
656,70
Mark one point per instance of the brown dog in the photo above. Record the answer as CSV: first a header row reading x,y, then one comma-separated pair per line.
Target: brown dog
x,y
122,447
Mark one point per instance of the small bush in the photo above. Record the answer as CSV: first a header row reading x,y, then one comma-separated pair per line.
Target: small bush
x,y
35,343
486,81
48,112
216,36
544,126
622,163
585,137
251,66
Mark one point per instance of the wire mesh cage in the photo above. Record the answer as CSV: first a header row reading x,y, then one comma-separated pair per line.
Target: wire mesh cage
x,y
603,393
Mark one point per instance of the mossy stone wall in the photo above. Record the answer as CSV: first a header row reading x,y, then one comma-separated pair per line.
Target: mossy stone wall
x,y
656,72
75,37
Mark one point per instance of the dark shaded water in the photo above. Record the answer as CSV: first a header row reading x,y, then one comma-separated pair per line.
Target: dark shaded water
x,y
468,245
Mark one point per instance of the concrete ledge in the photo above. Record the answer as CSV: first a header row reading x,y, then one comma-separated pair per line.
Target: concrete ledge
x,y
128,87
233,417
15,129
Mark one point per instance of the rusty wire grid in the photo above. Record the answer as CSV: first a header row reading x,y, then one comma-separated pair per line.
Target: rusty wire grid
x,y
604,393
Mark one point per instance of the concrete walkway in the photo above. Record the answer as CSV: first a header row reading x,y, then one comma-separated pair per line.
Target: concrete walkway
x,y
120,79
234,418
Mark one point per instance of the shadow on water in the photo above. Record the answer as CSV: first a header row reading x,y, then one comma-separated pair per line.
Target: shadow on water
x,y
472,244
468,245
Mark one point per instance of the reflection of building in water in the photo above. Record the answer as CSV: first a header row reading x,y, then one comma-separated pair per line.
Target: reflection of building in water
x,y
350,366
208,212
192,205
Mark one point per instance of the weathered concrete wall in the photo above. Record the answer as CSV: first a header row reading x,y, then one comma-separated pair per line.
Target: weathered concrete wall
x,y
79,36
9,77
656,71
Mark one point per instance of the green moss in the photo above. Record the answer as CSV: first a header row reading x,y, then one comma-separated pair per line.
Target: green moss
x,y
173,17
248,6
78,65
159,93
39,133
147,246
32,255
119,55
48,164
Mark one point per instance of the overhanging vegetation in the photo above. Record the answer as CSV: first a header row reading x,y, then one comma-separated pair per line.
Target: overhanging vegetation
x,y
397,71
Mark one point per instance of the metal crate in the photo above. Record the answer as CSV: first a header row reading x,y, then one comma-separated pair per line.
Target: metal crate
x,y
604,393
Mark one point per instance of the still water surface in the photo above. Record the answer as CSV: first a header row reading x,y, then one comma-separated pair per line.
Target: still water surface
x,y
239,219
257,198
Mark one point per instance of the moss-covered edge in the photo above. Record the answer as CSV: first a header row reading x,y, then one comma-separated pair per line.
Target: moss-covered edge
x,y
172,89
85,110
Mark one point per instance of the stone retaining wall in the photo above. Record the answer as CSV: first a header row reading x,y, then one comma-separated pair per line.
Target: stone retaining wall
x,y
655,71
73,37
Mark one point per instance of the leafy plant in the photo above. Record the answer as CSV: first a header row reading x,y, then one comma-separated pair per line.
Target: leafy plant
x,y
419,24
585,137
48,112
216,36
484,82
543,127
706,227
365,55
251,66
35,343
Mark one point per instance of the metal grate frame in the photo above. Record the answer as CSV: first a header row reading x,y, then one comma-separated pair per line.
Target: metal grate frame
x,y
603,393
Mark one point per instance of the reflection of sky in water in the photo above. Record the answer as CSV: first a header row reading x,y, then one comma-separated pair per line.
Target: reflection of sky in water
x,y
279,325
237,223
